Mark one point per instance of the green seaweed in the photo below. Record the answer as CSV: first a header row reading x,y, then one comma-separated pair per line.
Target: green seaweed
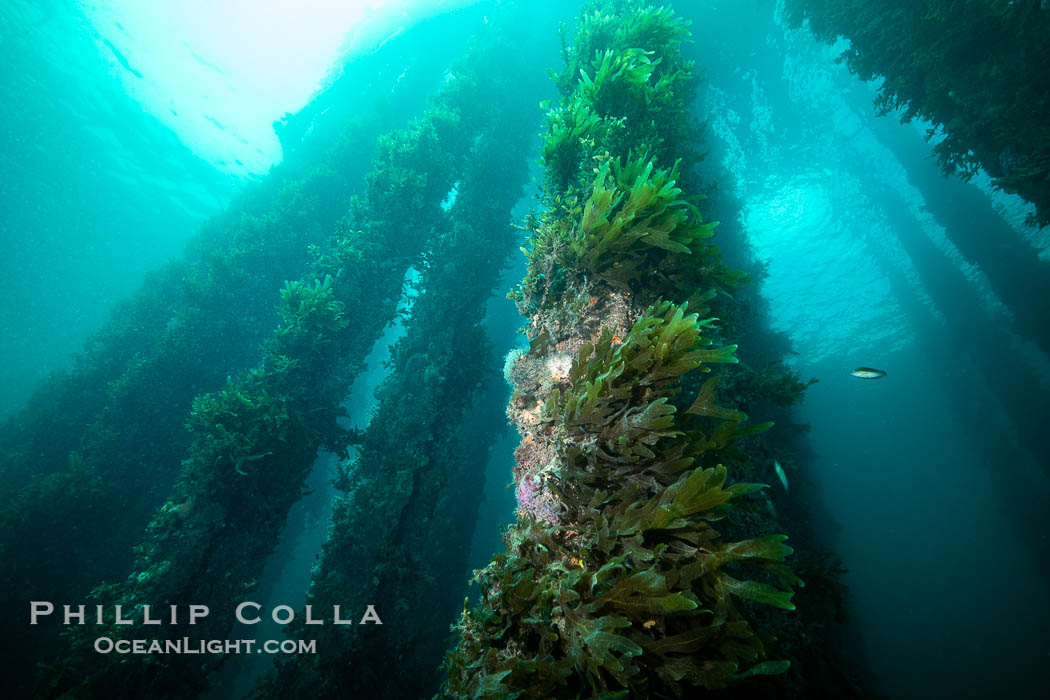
x,y
626,89
627,586
635,231
638,591
975,70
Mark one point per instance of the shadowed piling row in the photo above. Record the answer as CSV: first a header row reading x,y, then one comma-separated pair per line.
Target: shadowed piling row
x,y
255,440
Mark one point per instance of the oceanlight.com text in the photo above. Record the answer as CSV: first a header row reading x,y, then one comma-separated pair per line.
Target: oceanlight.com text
x,y
185,645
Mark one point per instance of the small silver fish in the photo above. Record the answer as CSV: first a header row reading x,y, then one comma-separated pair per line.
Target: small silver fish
x,y
780,474
868,373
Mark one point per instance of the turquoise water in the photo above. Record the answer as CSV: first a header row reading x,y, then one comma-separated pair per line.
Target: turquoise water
x,y
96,190
920,473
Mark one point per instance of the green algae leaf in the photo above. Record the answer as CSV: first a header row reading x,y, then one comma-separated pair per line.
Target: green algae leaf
x,y
768,547
491,685
660,238
704,405
636,551
723,435
708,673
758,592
752,429
605,646
523,589
646,593
784,574
721,355
640,450
701,490
579,365
657,416
766,668
634,212
686,642
609,571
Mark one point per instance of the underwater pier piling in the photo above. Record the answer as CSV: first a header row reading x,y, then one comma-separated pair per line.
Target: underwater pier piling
x,y
612,580
386,545
256,439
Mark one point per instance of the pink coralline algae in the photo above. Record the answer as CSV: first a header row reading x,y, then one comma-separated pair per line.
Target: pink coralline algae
x,y
535,499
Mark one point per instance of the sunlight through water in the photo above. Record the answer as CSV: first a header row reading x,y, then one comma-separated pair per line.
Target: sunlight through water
x,y
807,233
220,72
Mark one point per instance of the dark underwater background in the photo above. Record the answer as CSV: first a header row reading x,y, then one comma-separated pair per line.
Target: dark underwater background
x,y
125,150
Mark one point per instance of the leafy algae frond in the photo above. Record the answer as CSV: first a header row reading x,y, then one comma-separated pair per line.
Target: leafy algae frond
x,y
618,578
974,70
